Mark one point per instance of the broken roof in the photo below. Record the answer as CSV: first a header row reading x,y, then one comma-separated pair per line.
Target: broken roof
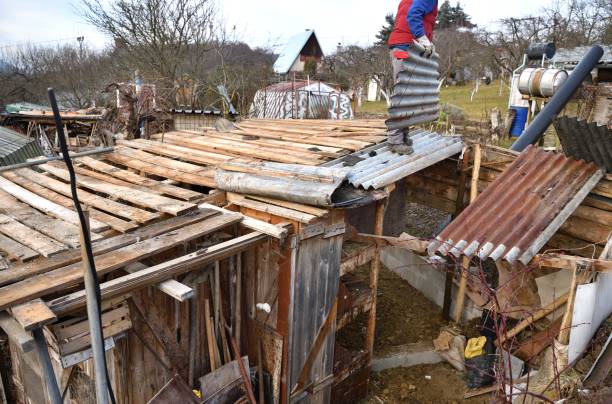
x,y
587,141
293,48
16,148
521,210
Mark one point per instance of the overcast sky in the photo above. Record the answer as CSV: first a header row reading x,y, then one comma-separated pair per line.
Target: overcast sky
x,y
258,22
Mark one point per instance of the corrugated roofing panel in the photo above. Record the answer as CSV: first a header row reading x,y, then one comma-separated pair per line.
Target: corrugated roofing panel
x,y
416,97
378,166
569,56
16,148
521,210
586,141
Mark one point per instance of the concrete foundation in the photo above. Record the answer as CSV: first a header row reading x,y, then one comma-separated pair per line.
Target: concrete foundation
x,y
420,353
426,278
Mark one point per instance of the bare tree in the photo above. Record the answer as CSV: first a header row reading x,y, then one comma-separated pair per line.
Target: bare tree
x,y
156,37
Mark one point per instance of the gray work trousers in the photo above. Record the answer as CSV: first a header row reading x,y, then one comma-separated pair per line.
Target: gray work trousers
x,y
396,136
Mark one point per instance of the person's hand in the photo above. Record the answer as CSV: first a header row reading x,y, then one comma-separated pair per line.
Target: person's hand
x,y
425,43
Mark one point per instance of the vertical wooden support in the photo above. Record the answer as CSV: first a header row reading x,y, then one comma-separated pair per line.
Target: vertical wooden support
x,y
466,261
459,205
381,207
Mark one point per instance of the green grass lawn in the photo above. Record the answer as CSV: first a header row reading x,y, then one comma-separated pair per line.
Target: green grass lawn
x,y
486,98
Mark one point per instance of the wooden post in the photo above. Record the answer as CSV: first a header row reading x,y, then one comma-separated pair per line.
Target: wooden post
x,y
381,207
459,204
466,261
210,337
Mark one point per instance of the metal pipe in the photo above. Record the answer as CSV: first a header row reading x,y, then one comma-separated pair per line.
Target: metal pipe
x,y
47,367
543,120
95,327
55,158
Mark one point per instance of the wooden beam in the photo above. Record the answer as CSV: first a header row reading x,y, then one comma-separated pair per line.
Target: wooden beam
x,y
276,231
570,262
33,314
16,333
279,211
161,272
171,287
405,242
379,223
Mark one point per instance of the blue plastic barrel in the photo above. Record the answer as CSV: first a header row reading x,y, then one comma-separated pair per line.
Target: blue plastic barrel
x,y
520,121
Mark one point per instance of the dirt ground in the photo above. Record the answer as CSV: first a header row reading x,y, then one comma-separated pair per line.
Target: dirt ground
x,y
403,316
423,221
423,384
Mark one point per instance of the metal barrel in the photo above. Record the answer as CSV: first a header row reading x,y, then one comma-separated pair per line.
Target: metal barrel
x,y
541,82
535,51
559,100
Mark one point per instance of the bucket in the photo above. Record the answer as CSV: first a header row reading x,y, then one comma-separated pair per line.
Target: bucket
x,y
520,121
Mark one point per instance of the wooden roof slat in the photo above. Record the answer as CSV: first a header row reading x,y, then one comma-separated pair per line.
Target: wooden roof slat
x,y
62,278
89,199
44,245
146,199
16,250
133,178
47,206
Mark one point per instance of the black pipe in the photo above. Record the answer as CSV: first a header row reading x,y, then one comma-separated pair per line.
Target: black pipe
x,y
543,120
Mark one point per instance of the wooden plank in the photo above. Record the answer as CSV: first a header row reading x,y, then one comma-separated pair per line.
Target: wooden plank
x,y
33,314
276,231
147,199
46,206
103,246
57,229
62,278
171,287
570,262
89,199
279,211
205,179
532,346
311,210
115,223
161,272
133,178
15,250
38,242
180,152
16,333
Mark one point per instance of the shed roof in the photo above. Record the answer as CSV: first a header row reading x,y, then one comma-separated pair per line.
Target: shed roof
x,y
16,148
292,51
521,210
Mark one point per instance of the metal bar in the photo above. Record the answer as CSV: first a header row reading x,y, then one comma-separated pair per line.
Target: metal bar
x,y
559,100
60,157
47,367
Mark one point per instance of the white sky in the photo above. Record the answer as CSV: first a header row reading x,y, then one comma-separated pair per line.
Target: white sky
x,y
258,22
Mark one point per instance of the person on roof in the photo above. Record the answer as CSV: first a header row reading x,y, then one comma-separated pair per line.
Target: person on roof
x,y
414,23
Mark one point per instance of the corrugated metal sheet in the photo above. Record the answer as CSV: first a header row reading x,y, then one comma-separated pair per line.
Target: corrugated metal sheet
x,y
15,148
586,141
378,166
416,97
571,56
521,210
290,182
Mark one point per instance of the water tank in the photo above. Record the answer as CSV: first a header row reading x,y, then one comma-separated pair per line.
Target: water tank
x,y
540,82
520,121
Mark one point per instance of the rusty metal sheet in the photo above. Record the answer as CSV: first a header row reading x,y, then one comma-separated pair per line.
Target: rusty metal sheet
x,y
377,166
586,141
521,210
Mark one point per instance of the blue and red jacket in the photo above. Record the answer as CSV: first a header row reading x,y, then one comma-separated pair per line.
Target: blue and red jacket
x,y
414,19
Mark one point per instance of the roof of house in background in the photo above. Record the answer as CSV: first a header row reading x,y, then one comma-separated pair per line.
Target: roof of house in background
x,y
315,86
23,106
16,148
571,56
292,51
515,216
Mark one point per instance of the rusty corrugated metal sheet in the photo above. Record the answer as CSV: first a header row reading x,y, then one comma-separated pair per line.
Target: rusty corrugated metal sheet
x,y
416,97
586,141
521,210
377,166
